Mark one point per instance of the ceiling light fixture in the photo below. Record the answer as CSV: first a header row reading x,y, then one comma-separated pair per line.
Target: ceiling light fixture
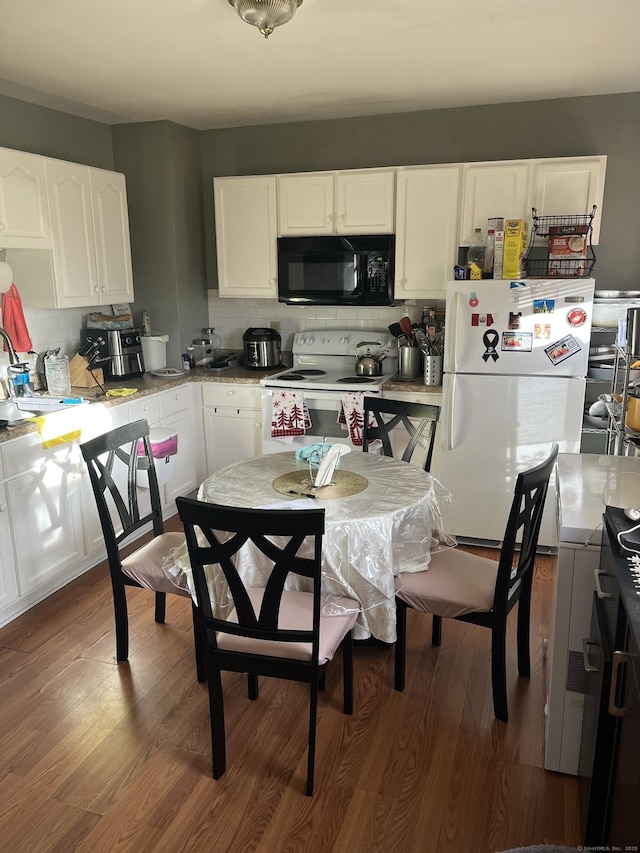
x,y
266,15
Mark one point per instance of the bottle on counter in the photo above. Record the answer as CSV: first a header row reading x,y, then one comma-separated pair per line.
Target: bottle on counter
x,y
476,250
487,271
56,369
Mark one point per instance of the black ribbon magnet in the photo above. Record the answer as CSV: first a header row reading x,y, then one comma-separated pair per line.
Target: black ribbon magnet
x,y
490,340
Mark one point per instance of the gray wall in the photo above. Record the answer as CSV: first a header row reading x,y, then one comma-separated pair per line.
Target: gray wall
x,y
164,188
28,127
570,127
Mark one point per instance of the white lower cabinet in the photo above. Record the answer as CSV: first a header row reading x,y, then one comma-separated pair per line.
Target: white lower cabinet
x,y
397,438
231,417
44,505
177,415
49,526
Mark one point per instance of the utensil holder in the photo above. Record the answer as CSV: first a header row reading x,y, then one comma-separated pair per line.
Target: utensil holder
x,y
409,363
433,370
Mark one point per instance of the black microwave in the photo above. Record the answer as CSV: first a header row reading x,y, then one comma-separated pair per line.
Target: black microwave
x,y
347,270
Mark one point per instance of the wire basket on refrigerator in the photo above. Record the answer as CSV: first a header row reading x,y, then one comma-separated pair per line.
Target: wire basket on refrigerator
x,y
543,227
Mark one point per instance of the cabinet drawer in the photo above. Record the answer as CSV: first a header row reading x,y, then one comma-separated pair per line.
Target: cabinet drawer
x,y
233,396
176,400
147,407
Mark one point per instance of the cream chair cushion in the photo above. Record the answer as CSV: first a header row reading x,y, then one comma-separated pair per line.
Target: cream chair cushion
x,y
150,564
454,584
296,612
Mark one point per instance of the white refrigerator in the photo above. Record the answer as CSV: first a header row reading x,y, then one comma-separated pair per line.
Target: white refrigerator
x,y
514,382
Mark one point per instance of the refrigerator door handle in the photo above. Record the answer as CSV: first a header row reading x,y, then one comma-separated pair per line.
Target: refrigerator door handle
x,y
451,336
449,413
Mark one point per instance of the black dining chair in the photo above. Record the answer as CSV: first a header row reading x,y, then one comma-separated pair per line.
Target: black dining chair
x,y
463,586
414,424
272,631
118,461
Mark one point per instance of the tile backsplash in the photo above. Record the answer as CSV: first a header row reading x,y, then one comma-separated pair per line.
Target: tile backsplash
x,y
50,329
231,317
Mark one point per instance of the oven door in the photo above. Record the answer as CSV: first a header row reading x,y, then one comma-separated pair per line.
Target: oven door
x,y
323,406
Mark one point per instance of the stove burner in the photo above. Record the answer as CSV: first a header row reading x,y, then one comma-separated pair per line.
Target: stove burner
x,y
292,377
356,380
308,371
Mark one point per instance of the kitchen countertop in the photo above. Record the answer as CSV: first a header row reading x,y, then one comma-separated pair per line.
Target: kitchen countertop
x,y
148,384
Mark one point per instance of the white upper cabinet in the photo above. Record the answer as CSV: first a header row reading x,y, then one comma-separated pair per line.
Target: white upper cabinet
x,y
426,230
111,235
24,216
91,259
493,189
347,202
569,185
245,213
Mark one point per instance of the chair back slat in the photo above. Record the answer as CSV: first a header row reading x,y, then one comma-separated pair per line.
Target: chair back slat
x,y
114,460
418,419
291,542
517,557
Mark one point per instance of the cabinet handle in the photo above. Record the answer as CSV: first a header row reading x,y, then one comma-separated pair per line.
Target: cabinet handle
x,y
231,393
341,217
3,507
272,281
2,226
588,667
618,659
601,593
328,218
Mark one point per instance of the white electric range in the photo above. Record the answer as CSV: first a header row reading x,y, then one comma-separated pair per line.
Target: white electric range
x,y
323,369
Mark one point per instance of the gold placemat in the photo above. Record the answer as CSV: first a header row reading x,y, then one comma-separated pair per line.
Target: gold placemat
x,y
343,485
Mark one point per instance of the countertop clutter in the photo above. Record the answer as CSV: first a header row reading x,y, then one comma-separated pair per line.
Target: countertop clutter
x,y
149,384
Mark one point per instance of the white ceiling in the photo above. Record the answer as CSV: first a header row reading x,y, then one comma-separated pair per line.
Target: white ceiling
x,y
195,62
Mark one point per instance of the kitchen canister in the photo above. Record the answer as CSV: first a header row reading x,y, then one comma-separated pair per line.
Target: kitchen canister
x,y
409,363
433,370
56,370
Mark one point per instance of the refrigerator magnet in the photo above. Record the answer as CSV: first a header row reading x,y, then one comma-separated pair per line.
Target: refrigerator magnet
x,y
473,299
577,317
517,341
562,349
514,319
542,331
490,340
544,306
482,320
517,290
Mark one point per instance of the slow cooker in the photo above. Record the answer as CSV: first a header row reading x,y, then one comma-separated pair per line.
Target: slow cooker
x,y
261,348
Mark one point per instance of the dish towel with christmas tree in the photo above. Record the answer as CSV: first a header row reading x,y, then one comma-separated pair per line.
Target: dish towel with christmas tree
x,y
352,416
290,415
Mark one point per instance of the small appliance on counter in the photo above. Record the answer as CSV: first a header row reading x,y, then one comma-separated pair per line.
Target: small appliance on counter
x,y
119,351
261,348
154,350
204,348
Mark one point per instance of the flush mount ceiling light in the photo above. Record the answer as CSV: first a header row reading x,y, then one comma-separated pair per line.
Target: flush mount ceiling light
x,y
266,15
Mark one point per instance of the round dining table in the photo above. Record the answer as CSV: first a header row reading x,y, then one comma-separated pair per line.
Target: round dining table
x,y
390,525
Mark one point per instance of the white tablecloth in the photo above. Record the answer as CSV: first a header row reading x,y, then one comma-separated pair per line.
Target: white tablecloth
x,y
389,528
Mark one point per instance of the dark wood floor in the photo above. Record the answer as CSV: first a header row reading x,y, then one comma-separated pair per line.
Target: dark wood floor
x,y
104,757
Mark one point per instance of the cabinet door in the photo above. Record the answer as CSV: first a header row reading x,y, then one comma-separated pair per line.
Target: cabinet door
x,y
182,477
569,185
305,204
493,189
8,579
365,201
45,513
24,214
111,232
230,435
245,212
426,218
74,259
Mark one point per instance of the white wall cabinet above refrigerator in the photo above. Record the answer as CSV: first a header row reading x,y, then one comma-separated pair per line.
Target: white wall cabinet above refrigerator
x,y
492,189
24,215
426,230
91,259
346,202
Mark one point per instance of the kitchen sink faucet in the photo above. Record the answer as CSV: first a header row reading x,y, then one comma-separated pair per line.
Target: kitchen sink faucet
x,y
13,355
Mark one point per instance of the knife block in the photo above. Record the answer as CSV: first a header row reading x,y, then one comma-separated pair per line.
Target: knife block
x,y
80,374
